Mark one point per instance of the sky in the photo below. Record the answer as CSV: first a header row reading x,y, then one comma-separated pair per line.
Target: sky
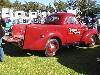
x,y
46,2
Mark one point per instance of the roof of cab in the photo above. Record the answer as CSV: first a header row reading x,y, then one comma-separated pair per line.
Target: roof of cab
x,y
63,14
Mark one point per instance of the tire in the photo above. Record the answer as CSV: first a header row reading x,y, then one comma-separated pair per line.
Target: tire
x,y
98,39
93,39
99,36
52,47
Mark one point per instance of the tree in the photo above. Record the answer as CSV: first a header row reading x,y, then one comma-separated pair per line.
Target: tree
x,y
33,6
17,5
50,8
87,7
42,7
8,4
97,10
5,3
59,5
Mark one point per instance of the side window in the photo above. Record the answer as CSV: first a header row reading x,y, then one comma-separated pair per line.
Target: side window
x,y
72,20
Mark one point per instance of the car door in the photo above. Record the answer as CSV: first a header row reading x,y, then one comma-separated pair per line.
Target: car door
x,y
73,29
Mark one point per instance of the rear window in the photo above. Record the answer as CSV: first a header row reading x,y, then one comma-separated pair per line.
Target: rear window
x,y
51,19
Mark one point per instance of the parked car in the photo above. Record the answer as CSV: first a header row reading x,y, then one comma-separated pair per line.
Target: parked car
x,y
59,29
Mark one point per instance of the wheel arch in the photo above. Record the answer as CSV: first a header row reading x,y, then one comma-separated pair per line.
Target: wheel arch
x,y
86,36
58,39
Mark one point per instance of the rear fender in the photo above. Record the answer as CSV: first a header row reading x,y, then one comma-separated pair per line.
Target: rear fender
x,y
56,35
40,43
51,35
18,30
86,38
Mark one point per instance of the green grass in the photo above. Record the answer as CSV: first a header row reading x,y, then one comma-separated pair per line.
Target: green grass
x,y
78,61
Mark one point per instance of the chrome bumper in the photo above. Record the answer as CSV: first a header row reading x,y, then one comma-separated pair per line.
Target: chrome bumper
x,y
11,39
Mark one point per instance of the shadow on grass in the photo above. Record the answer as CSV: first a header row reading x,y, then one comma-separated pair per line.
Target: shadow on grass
x,y
15,51
82,60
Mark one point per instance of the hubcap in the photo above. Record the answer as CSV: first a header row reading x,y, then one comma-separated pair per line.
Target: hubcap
x,y
92,40
52,47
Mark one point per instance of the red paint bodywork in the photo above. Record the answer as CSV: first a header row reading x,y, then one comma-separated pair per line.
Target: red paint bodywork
x,y
35,36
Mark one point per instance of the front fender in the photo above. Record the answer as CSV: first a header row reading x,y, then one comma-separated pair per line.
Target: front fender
x,y
86,37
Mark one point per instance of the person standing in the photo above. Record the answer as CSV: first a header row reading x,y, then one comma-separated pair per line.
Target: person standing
x,y
86,20
2,23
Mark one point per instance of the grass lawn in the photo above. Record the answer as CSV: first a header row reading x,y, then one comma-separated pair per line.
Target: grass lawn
x,y
77,61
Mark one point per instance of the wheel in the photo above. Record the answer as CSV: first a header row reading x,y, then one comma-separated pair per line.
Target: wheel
x,y
93,41
52,47
98,39
99,36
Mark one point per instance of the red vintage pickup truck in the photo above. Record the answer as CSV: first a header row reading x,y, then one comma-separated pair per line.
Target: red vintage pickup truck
x,y
59,29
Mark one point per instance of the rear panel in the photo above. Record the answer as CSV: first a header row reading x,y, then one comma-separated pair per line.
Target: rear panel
x,y
18,30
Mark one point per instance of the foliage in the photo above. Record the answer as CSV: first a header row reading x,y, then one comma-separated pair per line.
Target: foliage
x,y
97,10
5,3
17,5
59,5
87,7
50,8
33,6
